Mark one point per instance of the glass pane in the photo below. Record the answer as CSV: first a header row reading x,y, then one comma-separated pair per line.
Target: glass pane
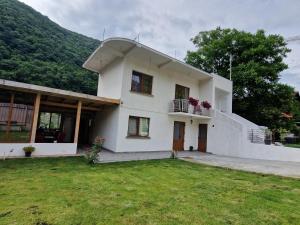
x,y
147,84
132,125
55,121
176,131
181,92
44,120
136,82
144,127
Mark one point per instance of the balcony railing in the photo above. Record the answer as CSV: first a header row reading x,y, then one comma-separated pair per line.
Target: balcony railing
x,y
183,106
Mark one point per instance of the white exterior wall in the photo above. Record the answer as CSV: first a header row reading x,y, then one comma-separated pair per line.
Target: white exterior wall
x,y
270,152
41,149
110,81
156,108
222,94
225,135
106,126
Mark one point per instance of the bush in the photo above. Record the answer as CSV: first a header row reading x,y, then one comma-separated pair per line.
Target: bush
x,y
92,155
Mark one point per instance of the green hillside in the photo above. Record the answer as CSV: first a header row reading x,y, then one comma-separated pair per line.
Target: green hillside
x,y
33,49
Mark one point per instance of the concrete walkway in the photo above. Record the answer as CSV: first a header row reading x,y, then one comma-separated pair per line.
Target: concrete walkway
x,y
287,169
108,156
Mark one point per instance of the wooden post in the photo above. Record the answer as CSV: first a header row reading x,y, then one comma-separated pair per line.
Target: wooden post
x,y
10,111
77,121
36,111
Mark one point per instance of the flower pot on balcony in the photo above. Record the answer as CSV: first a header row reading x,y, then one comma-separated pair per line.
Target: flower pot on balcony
x,y
205,112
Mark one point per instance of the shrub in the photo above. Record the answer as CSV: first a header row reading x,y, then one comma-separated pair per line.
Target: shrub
x,y
92,155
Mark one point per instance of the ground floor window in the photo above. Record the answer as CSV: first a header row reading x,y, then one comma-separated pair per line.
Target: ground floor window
x,y
16,115
138,126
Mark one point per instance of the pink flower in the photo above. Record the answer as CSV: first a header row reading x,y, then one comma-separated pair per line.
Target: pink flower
x,y
206,104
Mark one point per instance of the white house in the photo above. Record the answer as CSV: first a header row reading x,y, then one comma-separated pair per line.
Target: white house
x,y
154,88
143,104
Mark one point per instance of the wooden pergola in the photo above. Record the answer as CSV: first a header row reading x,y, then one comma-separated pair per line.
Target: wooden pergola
x,y
56,98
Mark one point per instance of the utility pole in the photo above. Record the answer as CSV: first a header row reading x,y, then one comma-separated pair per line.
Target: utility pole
x,y
230,66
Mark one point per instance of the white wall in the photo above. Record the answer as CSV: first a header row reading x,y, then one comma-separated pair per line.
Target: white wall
x,y
206,91
225,135
222,100
270,152
106,126
42,149
223,93
156,108
110,81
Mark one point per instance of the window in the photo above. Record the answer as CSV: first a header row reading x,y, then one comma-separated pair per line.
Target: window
x,y
181,92
50,120
138,126
141,83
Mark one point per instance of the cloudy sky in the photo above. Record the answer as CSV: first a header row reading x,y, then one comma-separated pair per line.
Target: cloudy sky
x,y
168,25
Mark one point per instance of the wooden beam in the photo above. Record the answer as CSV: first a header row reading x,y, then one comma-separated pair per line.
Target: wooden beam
x,y
63,105
10,111
36,111
77,125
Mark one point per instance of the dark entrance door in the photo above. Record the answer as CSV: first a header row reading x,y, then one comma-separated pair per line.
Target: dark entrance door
x,y
202,137
178,136
84,131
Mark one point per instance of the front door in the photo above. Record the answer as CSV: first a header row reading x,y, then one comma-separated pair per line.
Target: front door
x,y
202,137
178,136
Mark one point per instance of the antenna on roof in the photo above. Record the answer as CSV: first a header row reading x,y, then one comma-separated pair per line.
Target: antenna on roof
x,y
175,54
103,34
137,38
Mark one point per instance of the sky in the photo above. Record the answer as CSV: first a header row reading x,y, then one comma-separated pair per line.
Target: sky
x,y
168,25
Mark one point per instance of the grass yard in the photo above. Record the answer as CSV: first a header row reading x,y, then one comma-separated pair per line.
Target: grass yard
x,y
292,145
67,191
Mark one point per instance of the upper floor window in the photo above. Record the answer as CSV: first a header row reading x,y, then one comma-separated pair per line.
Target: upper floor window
x,y
141,83
181,92
138,126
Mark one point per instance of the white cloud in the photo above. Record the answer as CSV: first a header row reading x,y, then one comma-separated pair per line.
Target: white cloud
x,y
168,25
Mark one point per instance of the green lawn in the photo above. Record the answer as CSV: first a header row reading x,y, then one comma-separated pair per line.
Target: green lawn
x,y
292,145
67,191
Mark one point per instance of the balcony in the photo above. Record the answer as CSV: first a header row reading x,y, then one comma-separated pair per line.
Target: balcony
x,y
182,107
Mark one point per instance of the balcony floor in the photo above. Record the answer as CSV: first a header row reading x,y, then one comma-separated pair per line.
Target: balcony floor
x,y
183,114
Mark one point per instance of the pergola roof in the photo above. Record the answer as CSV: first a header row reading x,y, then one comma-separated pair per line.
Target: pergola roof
x,y
58,97
114,48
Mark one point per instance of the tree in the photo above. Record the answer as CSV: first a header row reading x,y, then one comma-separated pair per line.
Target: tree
x,y
257,63
33,49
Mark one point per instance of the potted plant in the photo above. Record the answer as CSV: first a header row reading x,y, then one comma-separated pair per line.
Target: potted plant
x,y
28,150
194,102
206,105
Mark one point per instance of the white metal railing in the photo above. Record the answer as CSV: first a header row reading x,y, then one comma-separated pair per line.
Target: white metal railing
x,y
260,136
183,105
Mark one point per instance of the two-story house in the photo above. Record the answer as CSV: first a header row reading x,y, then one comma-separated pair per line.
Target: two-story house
x,y
147,101
155,113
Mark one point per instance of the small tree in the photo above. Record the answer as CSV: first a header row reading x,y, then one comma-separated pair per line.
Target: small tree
x,y
93,154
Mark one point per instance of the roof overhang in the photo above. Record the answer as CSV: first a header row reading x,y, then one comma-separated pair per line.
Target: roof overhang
x,y
114,48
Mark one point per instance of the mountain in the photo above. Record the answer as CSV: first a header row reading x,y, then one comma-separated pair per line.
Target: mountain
x,y
33,49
